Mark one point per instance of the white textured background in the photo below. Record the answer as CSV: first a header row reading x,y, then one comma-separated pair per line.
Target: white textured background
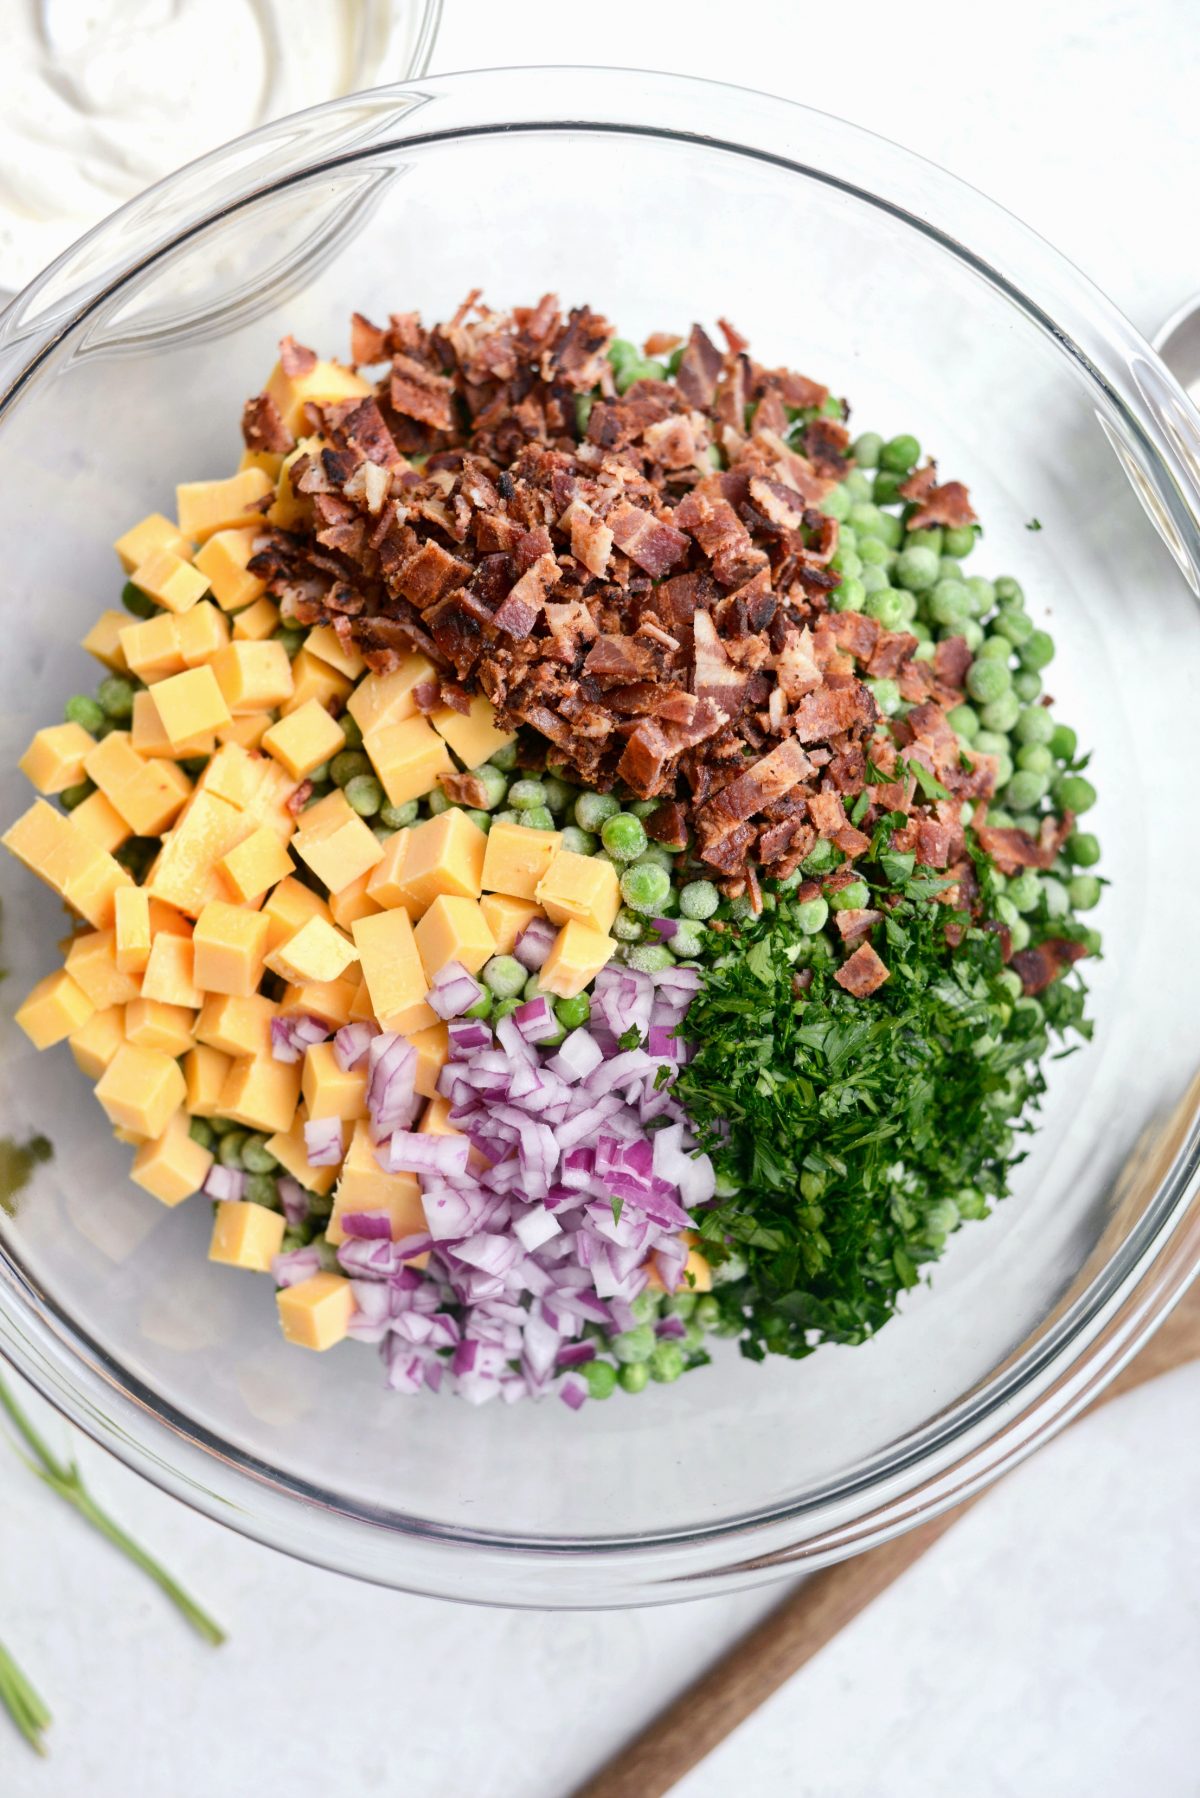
x,y
1050,1645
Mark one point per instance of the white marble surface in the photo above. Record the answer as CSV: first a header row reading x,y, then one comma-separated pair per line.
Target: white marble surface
x,y
1050,1644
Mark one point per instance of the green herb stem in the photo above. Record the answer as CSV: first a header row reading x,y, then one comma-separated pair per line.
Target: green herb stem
x,y
22,1702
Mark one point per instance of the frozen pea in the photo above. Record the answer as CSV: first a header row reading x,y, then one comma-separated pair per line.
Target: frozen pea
x,y
494,785
364,795
538,817
633,1346
116,698
600,1378
964,720
650,958
200,1130
1025,890
960,539
351,730
88,713
1056,896
812,915
644,886
505,757
1020,934
504,976
1083,849
1064,743
699,899
230,1152
347,765
1016,626
1001,714
874,551
573,1013
1084,891
865,449
886,694
916,569
260,1189
687,940
579,842
482,1008
634,1376
593,809
524,795
436,803
481,820
1025,789
398,817
666,1362
852,897
134,600
850,594
558,794
837,502
256,1157
73,796
1009,593
628,926
929,537
1035,758
1073,793
857,486
624,836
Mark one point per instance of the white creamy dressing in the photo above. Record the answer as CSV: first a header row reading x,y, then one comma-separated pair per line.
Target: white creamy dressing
x,y
99,98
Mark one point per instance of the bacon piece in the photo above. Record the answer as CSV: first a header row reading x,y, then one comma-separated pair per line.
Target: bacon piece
x,y
661,343
855,632
296,359
951,659
667,824
826,812
713,675
708,517
591,538
465,789
671,441
796,668
933,842
428,574
417,392
948,504
891,651
655,547
862,973
644,758
699,368
1040,967
263,427
768,779
832,709
778,503
851,841
359,425
854,923
621,659
1013,849
519,612
368,342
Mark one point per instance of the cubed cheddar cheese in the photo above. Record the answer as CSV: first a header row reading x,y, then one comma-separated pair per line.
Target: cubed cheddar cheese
x,y
237,1027
104,640
140,1089
170,580
152,648
435,1119
328,1090
189,704
92,964
288,907
170,975
95,1042
165,918
254,624
324,643
433,1052
56,1008
408,757
336,843
261,1093
149,534
67,860
204,1072
507,918
172,1167
230,944
246,1235
386,882
392,969
354,901
148,794
453,929
148,737
101,822
256,864
202,633
583,887
223,562
208,506
328,1000
270,461
382,699
361,1009
152,1025
322,384
577,956
474,737
186,874
132,929
55,757
442,856
314,682
290,509
92,887
316,1313
253,677
318,951
517,859
364,1186
289,1150
247,732
304,739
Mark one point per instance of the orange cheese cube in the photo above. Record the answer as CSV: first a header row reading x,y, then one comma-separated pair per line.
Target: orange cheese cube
x,y
170,580
247,732
95,1042
172,1166
201,633
324,815
290,509
329,1000
433,1052
170,975
256,864
364,1186
142,539
261,1093
316,1313
518,858
288,907
388,698
254,677
104,640
237,1027
453,930
314,682
577,957
443,855
354,901
152,1025
101,822
47,844
132,929
257,622
186,873
271,461
304,739
140,1088
55,757
233,775
324,384
92,964
386,882
208,506
474,738
151,647
507,918
328,1091
435,1119
204,1072
336,843
324,643
189,704
223,562
317,952
392,969
361,1009
56,1008
165,918
246,1235
408,757
92,888
148,795
582,887
230,944
148,737
288,1148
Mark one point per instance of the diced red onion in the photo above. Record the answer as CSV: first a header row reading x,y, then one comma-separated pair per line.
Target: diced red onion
x,y
578,1054
533,1226
573,1393
410,1152
453,991
294,1200
466,1036
391,1093
534,943
225,1183
294,1265
671,1328
536,1020
324,1145
370,1225
352,1042
293,1034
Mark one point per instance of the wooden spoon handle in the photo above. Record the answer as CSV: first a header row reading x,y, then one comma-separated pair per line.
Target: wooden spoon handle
x,y
814,1612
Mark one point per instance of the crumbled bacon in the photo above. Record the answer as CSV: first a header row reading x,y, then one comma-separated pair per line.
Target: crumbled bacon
x,y
948,504
263,427
862,973
1040,967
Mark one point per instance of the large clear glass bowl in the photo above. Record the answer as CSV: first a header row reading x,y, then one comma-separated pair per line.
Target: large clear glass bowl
x,y
660,201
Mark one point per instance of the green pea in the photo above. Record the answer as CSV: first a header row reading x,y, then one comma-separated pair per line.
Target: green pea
x,y
639,371
260,1189
505,757
292,638
116,698
482,1008
348,765
1004,769
930,539
531,989
137,602
481,820
886,694
621,353
644,886
437,802
857,485
1000,714
1020,934
633,1346
351,730
891,530
699,899
256,1157
524,795
987,680
1037,650
364,795
494,784
885,607
847,561
558,794
1072,793
1027,685
1025,789
579,842
999,819
600,1378
836,503
628,926
916,569
1009,593
583,411
592,810
1056,897
634,1377
649,958
885,489
950,603
504,976
73,796
1064,743
1008,978
398,817
659,855
82,710
1035,758
573,1013
866,518
964,721
1035,725
983,595
230,1152
688,940
851,594
538,817
1083,849
865,449
624,836
852,897
667,1361
200,1131
1006,911
873,579
873,552
908,606
960,540
900,454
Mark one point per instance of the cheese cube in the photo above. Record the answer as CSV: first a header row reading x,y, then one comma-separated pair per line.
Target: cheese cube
x,y
95,1042
364,1186
237,1027
256,864
254,677
246,1235
186,873
151,647
257,622
261,1093
582,887
324,384
328,1091
304,739
453,930
336,843
148,795
408,758
204,1072
247,732
474,738
433,1052
188,704
132,928
91,888
507,918
170,975
443,855
142,539
288,907
361,1009
271,461
354,901
388,698
328,1000
324,643
223,563
165,918
230,944
104,640
577,957
208,506
386,882
140,1088
92,964
101,822
172,1166
316,1313
315,682
317,952
56,1008
392,969
47,844
55,757
152,1025
518,858
289,1150
435,1119
202,633
148,737
170,580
